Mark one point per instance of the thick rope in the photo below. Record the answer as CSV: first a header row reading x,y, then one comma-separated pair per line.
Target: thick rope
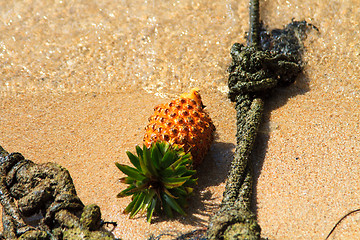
x,y
254,73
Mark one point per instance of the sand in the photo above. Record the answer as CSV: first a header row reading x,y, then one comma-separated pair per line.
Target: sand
x,y
79,79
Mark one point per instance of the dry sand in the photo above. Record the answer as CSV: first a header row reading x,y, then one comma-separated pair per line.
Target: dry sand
x,y
78,80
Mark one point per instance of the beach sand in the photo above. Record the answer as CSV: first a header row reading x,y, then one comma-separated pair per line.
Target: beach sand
x,y
79,79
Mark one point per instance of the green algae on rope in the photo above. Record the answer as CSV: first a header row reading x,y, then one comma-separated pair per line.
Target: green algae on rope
x,y
255,71
3,152
27,188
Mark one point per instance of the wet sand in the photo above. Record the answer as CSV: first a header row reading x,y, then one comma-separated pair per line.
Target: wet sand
x,y
79,80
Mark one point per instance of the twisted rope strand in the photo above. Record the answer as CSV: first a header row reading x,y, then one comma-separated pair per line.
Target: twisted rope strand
x,y
254,73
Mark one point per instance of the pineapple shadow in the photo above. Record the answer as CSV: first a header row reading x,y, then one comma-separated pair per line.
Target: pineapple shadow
x,y
211,172
278,98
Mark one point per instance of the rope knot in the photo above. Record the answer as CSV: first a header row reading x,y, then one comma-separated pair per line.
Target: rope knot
x,y
257,72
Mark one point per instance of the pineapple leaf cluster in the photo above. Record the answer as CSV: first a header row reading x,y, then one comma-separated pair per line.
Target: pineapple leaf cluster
x,y
160,180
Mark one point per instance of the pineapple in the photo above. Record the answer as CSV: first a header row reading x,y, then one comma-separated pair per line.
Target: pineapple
x,y
184,122
177,138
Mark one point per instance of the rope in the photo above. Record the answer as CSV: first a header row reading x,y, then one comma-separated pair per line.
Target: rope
x,y
254,73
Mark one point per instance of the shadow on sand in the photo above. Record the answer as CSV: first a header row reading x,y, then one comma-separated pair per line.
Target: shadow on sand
x,y
277,99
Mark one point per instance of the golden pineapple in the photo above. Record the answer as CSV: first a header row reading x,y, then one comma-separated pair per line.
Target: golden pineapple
x,y
183,122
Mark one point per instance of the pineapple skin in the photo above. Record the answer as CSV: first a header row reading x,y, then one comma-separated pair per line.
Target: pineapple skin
x,y
183,122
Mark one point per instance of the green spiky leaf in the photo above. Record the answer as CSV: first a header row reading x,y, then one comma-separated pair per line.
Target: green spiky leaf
x,y
163,147
127,192
138,204
149,195
175,181
156,156
173,204
131,205
179,191
167,210
131,172
150,210
168,159
149,162
134,160
127,180
181,161
139,151
179,171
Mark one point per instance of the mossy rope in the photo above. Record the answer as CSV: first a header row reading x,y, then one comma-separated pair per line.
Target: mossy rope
x,y
254,73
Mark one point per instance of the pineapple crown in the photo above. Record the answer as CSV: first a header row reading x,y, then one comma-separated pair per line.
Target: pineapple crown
x,y
160,180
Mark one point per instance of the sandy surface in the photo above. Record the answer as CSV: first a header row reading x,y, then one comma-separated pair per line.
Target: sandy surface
x,y
78,80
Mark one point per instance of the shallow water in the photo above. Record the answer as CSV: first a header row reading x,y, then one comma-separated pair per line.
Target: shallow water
x,y
80,78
